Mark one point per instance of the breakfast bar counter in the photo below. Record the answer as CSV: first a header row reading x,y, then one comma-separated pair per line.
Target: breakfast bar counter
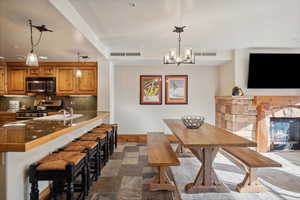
x,y
22,143
22,136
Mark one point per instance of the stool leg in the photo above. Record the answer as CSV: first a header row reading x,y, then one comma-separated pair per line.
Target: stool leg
x,y
116,136
107,147
34,194
85,178
70,181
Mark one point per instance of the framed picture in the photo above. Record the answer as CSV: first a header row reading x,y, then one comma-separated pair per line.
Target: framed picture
x,y
176,89
151,89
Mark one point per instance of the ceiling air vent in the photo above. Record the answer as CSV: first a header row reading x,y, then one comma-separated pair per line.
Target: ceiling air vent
x,y
125,54
205,54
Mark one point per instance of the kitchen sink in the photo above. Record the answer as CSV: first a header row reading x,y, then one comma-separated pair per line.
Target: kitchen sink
x,y
59,117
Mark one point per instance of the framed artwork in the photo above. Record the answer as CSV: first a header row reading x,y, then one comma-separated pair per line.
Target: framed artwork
x,y
151,89
176,89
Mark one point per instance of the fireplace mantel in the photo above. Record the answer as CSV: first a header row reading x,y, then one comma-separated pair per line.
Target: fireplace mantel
x,y
250,116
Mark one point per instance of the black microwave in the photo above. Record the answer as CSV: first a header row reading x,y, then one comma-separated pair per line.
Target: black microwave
x,y
41,85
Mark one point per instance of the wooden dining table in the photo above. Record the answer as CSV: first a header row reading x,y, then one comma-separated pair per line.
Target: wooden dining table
x,y
204,143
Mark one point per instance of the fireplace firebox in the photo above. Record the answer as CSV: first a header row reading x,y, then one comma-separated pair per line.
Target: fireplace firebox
x,y
284,133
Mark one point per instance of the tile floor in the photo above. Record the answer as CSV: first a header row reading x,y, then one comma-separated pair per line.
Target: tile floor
x,y
126,177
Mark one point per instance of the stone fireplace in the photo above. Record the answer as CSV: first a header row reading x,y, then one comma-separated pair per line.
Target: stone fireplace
x,y
272,121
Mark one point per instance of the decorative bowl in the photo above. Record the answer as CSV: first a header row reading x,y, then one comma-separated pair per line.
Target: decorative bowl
x,y
193,121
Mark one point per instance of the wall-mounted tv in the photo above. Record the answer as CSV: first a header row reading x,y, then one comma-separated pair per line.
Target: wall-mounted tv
x,y
274,71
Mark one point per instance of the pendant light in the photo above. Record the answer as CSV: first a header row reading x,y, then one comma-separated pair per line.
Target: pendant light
x,y
32,58
78,72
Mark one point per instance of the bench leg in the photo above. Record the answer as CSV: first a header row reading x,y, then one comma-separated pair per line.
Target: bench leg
x,y
250,183
162,181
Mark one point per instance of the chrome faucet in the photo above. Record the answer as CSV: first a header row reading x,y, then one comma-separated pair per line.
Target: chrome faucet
x,y
67,111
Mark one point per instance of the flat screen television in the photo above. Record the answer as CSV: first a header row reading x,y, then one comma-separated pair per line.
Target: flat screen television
x,y
274,71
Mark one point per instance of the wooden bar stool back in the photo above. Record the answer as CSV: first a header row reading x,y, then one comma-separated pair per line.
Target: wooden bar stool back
x,y
62,168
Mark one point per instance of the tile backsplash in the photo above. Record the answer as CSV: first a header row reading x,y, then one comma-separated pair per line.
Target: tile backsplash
x,y
80,103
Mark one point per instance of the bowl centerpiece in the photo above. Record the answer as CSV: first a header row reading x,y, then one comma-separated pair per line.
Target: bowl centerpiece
x,y
192,121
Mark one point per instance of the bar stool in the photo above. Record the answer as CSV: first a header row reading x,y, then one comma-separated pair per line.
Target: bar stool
x,y
93,153
115,131
103,145
63,168
110,136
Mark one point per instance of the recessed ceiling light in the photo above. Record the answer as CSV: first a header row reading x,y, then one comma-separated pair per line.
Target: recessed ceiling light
x,y
132,4
43,57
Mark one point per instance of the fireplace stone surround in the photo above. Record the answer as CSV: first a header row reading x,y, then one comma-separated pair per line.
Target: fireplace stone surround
x,y
250,116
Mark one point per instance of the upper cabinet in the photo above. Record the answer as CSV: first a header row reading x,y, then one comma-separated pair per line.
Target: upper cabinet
x,y
87,82
65,81
13,77
68,83
16,80
2,80
44,70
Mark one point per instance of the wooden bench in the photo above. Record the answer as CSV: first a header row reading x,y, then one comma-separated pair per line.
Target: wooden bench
x,y
162,156
249,160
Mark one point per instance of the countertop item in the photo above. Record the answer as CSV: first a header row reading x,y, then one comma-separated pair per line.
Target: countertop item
x,y
22,136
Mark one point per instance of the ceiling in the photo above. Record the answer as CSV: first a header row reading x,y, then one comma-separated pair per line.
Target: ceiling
x,y
211,24
104,26
60,45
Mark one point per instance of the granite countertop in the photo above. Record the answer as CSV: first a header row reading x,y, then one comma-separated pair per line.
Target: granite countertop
x,y
24,135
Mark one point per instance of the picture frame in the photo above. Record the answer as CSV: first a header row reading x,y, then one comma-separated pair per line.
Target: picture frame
x,y
176,89
150,89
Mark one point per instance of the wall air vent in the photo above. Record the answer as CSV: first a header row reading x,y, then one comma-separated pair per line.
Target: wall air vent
x,y
205,54
125,54
117,54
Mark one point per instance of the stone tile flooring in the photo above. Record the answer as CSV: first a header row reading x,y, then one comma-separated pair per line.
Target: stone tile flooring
x,y
126,177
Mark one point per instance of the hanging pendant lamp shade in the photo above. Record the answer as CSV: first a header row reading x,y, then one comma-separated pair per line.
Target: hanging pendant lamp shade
x,y
32,59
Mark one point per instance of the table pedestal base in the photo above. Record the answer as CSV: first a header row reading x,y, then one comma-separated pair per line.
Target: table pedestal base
x,y
206,179
192,189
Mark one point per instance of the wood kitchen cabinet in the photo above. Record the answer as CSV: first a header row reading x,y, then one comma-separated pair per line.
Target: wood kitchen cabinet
x,y
2,80
87,83
13,77
65,81
69,84
43,70
16,80
47,71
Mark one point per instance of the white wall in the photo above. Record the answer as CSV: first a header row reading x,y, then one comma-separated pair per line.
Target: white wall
x,y
238,70
226,78
139,119
103,86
